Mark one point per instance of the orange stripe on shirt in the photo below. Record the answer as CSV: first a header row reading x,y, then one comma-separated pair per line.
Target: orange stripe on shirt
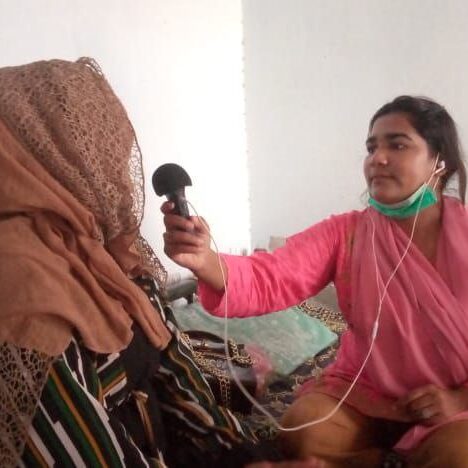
x,y
81,424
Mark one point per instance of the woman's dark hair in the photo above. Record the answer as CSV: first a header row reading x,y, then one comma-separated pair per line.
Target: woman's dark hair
x,y
434,124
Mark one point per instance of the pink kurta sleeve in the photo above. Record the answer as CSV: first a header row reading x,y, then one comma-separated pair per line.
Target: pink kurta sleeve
x,y
267,282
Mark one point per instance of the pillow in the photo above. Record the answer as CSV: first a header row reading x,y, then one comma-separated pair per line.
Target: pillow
x,y
288,337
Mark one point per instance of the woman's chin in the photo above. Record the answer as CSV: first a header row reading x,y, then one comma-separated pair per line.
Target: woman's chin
x,y
385,198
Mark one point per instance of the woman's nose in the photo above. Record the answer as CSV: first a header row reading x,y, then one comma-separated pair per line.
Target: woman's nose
x,y
380,157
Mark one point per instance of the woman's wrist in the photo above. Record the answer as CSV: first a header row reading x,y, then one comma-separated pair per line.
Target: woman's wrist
x,y
210,271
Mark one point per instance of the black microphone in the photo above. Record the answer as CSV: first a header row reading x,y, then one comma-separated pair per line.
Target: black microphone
x,y
171,180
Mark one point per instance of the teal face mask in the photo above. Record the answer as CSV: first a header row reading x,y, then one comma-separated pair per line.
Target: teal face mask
x,y
423,198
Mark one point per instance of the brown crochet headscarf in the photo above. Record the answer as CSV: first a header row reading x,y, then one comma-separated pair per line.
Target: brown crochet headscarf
x,y
71,204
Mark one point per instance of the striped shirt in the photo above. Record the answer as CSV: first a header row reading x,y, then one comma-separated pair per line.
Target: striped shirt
x,y
87,417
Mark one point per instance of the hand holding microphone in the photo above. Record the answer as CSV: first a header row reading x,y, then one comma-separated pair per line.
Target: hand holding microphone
x,y
187,238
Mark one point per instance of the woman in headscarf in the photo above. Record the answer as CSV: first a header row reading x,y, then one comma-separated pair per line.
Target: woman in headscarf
x,y
93,371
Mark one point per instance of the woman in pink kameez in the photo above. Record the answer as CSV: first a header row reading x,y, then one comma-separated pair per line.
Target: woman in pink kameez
x,y
412,394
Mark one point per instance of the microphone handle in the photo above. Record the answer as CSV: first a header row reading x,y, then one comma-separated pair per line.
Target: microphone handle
x,y
180,204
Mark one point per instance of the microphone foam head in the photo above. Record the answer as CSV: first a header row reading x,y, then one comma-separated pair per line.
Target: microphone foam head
x,y
169,178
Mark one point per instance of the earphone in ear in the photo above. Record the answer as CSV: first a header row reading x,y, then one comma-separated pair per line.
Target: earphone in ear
x,y
440,167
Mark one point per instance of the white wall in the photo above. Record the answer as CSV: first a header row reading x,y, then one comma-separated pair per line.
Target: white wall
x,y
177,66
315,72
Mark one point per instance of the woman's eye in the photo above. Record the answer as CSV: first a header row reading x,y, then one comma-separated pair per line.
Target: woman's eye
x,y
398,146
371,149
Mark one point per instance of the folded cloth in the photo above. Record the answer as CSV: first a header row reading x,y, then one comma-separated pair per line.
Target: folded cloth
x,y
287,337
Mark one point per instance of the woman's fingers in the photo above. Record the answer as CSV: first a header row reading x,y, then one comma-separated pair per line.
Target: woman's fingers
x,y
186,241
176,222
167,207
422,405
183,238
200,224
424,411
416,394
184,249
417,405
